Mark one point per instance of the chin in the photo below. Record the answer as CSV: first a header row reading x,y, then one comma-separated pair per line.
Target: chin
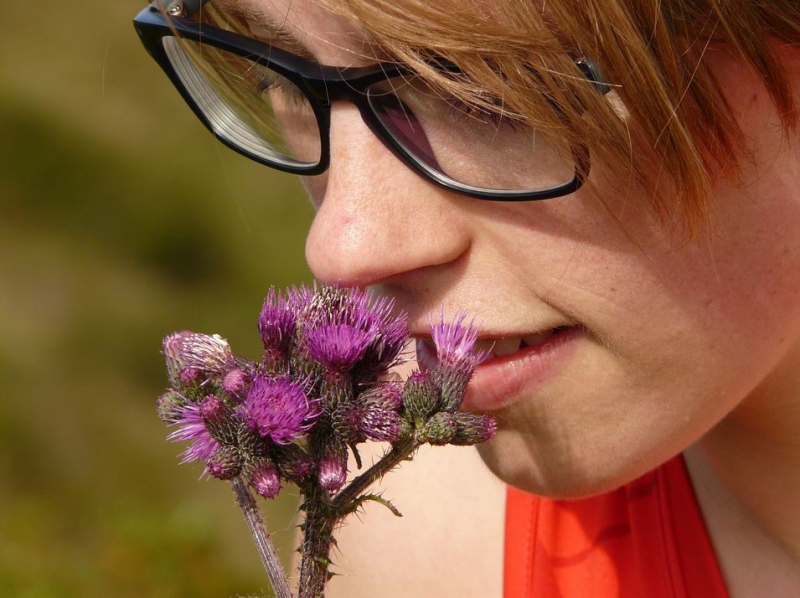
x,y
556,472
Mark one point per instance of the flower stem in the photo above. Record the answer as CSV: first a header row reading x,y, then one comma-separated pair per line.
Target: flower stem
x,y
398,453
324,514
317,541
266,550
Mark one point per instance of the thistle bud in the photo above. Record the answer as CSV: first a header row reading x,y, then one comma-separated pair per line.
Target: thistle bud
x,y
439,429
218,419
292,462
332,467
168,406
235,382
265,480
191,356
473,428
225,463
420,395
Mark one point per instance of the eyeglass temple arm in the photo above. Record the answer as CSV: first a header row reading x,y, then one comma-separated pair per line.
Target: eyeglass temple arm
x,y
180,8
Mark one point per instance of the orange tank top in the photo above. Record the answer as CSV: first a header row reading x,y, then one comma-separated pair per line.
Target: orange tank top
x,y
644,540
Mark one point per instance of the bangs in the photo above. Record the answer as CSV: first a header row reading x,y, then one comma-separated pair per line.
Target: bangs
x,y
670,127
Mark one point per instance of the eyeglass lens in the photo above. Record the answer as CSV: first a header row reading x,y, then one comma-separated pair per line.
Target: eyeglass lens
x,y
259,110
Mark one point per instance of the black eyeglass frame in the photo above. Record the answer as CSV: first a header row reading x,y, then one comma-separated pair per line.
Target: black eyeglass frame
x,y
324,85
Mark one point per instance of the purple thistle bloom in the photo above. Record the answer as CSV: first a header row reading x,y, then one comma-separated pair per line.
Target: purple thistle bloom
x,y
266,481
299,298
338,346
455,343
191,427
276,323
278,409
189,355
457,358
342,326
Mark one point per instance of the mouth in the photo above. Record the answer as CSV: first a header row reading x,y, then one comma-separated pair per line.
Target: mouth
x,y
492,347
515,366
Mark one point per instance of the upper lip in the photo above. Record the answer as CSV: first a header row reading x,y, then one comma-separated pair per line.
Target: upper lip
x,y
423,332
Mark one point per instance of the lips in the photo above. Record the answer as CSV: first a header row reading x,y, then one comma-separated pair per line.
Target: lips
x,y
493,347
515,368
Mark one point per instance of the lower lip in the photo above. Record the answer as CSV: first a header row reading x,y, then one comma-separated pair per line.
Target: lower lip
x,y
501,381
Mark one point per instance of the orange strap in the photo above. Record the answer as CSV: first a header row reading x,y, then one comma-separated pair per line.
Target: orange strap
x,y
645,539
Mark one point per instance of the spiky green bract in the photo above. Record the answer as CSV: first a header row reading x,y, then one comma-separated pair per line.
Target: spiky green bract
x,y
440,429
420,395
473,428
168,406
226,463
375,415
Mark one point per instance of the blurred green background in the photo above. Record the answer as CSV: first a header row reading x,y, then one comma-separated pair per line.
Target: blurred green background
x,y
121,220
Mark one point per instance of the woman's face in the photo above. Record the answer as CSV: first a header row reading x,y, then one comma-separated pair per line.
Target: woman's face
x,y
621,342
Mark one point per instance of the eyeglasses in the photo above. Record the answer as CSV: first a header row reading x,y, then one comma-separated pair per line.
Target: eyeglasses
x,y
275,107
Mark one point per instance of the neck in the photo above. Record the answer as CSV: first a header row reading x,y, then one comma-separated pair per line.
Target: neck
x,y
746,475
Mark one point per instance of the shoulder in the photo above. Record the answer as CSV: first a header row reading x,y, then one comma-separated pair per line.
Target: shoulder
x,y
449,542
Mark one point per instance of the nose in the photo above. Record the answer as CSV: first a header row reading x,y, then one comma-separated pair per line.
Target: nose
x,y
376,218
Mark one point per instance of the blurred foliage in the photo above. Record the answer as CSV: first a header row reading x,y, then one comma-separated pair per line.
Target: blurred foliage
x,y
121,220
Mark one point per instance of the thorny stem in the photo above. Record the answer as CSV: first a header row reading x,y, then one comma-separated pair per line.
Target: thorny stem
x,y
398,453
317,541
322,516
266,550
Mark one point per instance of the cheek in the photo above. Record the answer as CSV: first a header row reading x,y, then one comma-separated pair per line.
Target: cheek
x,y
680,335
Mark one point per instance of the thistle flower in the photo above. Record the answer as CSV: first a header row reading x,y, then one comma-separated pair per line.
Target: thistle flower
x,y
338,346
276,325
457,358
342,326
278,408
191,427
190,356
